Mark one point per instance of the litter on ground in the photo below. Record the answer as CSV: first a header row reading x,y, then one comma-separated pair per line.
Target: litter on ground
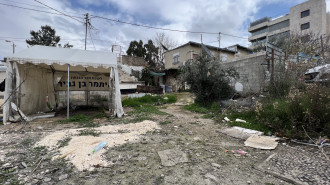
x,y
262,142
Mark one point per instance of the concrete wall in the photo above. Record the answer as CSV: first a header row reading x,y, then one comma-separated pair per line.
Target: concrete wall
x,y
251,72
186,53
133,61
328,23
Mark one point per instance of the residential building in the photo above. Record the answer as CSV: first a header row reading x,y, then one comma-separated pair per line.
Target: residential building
x,y
239,50
178,56
307,17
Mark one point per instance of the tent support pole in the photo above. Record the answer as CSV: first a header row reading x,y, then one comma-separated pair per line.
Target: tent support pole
x,y
68,95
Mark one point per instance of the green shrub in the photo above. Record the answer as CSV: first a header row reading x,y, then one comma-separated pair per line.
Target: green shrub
x,y
207,79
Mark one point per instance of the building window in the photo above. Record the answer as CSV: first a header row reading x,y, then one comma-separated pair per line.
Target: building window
x,y
223,57
304,26
176,58
305,13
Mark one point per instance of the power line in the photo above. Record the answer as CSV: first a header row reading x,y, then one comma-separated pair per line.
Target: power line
x,y
91,37
16,2
113,20
59,11
30,9
165,29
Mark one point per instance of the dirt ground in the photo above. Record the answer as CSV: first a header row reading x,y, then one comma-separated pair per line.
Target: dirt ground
x,y
206,155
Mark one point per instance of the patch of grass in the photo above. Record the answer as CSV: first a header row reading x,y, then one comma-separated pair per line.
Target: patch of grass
x,y
26,141
196,108
149,99
149,109
252,122
64,142
89,131
79,118
171,98
165,122
100,115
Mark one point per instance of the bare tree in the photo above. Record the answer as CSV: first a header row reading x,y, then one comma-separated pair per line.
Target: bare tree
x,y
164,43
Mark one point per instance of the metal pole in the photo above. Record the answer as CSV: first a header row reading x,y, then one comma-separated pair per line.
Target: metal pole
x,y
14,48
68,95
86,29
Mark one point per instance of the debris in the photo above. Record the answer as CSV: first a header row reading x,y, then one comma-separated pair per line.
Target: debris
x,y
239,152
212,177
47,179
261,142
239,132
40,128
226,119
99,147
24,164
240,120
62,177
216,165
144,141
172,157
20,113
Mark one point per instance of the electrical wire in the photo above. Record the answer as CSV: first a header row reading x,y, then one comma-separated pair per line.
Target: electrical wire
x,y
59,11
113,20
91,37
16,2
165,29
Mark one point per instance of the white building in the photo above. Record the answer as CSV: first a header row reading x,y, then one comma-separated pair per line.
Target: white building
x,y
310,16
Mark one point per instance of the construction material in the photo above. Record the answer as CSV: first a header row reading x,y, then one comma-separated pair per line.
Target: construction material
x,y
261,142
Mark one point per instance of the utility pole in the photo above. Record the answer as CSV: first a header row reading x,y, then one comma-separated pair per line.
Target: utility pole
x,y
322,49
13,45
86,24
201,38
219,38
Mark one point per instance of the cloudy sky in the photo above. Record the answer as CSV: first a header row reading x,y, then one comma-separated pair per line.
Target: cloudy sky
x,y
231,17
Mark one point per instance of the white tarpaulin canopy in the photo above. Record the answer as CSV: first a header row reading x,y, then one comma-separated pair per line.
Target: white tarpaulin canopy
x,y
30,76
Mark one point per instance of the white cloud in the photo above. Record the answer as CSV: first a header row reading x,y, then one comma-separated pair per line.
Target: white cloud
x,y
226,16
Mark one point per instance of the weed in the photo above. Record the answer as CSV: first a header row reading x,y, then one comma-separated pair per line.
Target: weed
x,y
138,118
64,142
89,131
252,123
148,99
147,109
196,108
79,118
100,115
165,122
194,123
123,131
89,124
27,141
189,171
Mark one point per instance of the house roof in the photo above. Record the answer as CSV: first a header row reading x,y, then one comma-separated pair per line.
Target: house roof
x,y
240,46
191,43
63,56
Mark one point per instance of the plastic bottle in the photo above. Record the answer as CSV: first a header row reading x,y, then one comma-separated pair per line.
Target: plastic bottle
x,y
100,146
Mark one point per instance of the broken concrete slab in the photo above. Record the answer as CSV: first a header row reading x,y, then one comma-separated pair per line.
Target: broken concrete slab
x,y
261,142
172,157
239,132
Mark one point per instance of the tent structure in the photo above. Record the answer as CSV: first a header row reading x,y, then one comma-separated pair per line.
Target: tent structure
x,y
35,76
